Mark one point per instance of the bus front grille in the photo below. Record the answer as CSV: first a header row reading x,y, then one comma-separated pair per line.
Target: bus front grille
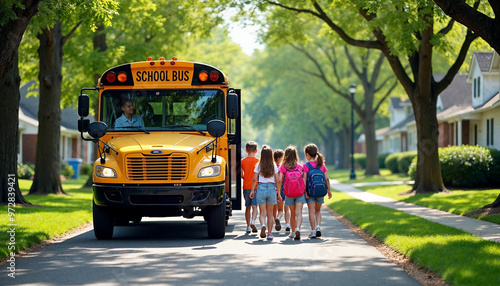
x,y
172,167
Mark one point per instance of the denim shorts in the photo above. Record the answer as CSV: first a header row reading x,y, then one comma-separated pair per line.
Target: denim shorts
x,y
290,201
319,200
266,194
248,200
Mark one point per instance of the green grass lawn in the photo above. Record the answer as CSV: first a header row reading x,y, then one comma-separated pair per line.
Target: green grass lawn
x,y
458,257
385,175
51,215
457,202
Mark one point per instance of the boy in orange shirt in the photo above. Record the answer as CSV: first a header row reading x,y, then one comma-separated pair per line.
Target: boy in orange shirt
x,y
247,170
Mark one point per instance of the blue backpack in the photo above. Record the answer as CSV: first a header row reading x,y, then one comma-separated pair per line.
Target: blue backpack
x,y
316,182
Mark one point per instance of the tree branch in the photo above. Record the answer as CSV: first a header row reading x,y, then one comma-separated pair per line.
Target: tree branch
x,y
66,38
486,27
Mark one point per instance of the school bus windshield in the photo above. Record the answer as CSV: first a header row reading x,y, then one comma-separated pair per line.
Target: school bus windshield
x,y
160,109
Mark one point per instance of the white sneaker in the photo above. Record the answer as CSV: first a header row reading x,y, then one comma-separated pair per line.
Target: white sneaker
x,y
312,234
287,228
292,235
249,229
318,231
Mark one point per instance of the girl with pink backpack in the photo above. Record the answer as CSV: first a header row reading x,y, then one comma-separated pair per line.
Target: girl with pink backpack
x,y
291,174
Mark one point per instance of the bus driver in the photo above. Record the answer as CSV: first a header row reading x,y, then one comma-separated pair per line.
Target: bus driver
x,y
128,118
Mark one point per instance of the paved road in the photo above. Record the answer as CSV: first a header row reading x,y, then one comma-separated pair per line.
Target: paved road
x,y
177,252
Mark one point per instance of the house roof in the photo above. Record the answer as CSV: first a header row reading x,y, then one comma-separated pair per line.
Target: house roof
x,y
458,93
28,110
484,60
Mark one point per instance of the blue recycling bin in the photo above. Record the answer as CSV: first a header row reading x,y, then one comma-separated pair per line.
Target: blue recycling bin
x,y
75,163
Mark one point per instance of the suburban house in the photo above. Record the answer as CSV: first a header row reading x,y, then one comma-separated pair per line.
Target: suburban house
x,y
72,146
466,111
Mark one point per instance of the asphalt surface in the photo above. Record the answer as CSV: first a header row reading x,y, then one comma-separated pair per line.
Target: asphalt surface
x,y
176,251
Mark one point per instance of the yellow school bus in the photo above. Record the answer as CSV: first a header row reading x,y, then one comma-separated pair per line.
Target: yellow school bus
x,y
168,137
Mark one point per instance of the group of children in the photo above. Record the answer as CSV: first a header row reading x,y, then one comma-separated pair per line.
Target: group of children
x,y
277,184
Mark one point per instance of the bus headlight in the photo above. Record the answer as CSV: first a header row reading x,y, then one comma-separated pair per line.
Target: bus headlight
x,y
212,171
105,172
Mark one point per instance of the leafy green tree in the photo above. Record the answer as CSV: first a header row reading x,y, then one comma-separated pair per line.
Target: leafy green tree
x,y
49,28
14,18
407,33
478,17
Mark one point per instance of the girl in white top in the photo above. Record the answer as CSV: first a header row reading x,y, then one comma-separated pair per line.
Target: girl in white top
x,y
266,175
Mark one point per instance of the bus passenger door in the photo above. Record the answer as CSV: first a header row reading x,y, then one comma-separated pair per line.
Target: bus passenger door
x,y
234,136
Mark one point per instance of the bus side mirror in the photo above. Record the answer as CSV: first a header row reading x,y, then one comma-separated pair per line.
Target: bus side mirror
x,y
97,129
83,125
83,105
216,128
232,105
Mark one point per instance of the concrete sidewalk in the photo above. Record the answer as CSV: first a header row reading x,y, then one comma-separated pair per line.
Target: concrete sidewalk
x,y
483,229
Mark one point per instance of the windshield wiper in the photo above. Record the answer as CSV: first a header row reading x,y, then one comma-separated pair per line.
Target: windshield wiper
x,y
136,127
189,127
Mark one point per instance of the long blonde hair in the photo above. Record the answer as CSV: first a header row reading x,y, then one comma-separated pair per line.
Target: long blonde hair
x,y
312,150
291,157
266,163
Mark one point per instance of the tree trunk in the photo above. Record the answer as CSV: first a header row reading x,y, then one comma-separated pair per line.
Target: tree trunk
x,y
372,167
345,153
47,166
9,145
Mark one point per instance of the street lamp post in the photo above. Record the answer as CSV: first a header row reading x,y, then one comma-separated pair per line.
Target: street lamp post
x,y
352,90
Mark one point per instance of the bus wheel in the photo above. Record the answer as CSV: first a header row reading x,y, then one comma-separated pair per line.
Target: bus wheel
x,y
216,222
103,222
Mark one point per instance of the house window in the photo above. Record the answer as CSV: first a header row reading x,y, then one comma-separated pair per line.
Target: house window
x,y
475,89
489,132
475,134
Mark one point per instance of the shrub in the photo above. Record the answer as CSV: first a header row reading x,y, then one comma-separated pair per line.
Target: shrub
x,y
381,160
465,166
404,160
412,169
360,159
66,170
391,162
25,171
85,169
462,166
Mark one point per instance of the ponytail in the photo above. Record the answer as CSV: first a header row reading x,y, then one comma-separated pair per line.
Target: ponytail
x,y
312,150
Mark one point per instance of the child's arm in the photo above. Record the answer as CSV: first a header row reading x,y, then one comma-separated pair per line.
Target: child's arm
x,y
328,184
254,182
278,177
304,177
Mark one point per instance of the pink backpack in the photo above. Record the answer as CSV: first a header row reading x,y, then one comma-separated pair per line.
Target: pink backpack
x,y
294,183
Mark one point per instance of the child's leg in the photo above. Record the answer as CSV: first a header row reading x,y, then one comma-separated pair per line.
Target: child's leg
x,y
293,218
247,214
255,212
275,211
318,213
280,209
287,214
298,213
312,214
263,214
270,217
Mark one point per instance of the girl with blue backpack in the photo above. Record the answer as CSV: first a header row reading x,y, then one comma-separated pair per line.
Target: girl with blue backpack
x,y
317,186
290,173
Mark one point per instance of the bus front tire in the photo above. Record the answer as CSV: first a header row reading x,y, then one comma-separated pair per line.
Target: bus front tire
x,y
216,221
103,222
